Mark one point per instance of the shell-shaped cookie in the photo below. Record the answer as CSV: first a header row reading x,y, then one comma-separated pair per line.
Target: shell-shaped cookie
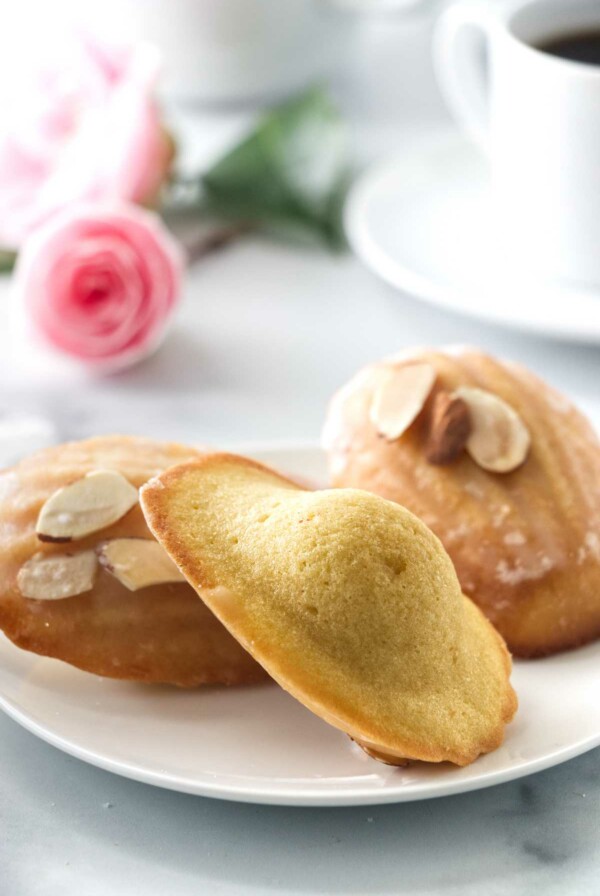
x,y
348,601
159,633
525,541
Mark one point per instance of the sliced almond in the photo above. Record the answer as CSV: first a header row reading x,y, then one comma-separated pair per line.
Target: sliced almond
x,y
449,429
138,562
399,398
56,576
85,506
499,440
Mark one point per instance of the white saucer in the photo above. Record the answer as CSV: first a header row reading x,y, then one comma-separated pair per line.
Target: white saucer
x,y
423,222
259,745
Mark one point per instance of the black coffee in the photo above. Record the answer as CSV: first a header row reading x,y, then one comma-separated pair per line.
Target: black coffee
x,y
583,46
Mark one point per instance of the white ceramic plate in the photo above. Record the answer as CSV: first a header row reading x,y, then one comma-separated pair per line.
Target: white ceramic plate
x,y
423,222
259,745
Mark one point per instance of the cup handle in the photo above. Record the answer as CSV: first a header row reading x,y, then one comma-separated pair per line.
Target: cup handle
x,y
460,40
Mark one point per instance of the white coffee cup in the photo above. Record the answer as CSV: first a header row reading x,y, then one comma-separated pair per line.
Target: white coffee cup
x,y
537,115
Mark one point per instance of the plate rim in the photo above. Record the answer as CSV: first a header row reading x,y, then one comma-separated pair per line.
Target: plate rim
x,y
361,795
305,797
422,288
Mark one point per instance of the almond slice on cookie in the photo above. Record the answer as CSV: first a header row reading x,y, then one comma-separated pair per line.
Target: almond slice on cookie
x,y
499,441
400,397
85,506
138,562
56,576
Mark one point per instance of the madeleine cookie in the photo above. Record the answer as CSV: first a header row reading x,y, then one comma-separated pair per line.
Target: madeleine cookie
x,y
347,600
83,580
501,467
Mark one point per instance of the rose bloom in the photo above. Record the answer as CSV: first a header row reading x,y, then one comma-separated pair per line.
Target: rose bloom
x,y
100,283
83,125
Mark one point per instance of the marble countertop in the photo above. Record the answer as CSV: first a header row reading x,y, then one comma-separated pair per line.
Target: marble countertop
x,y
266,334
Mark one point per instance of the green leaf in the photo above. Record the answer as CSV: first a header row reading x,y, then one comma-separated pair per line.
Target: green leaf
x,y
7,260
289,175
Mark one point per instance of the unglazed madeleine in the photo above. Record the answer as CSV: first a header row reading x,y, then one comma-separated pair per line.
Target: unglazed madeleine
x,y
518,509
347,600
160,633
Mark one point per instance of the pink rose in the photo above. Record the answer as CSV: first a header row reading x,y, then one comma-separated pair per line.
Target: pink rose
x,y
100,283
84,126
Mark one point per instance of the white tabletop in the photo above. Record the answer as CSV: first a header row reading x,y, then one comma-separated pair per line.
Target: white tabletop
x,y
266,334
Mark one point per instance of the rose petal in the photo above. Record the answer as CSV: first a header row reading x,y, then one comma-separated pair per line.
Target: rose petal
x,y
86,127
100,282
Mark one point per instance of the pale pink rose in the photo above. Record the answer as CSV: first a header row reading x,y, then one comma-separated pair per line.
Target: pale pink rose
x,y
100,283
83,126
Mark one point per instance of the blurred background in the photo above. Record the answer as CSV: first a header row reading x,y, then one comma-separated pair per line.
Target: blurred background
x,y
161,104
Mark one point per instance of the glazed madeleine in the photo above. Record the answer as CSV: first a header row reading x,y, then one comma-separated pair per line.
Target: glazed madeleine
x,y
83,580
501,467
347,600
